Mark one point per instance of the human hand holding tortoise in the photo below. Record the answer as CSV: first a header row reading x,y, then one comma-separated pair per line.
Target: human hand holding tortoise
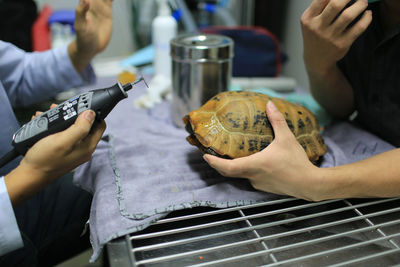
x,y
284,166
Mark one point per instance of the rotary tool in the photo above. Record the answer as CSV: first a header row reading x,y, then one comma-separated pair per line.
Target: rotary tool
x,y
59,118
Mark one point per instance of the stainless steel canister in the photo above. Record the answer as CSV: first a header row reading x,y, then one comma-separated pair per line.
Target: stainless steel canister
x,y
201,68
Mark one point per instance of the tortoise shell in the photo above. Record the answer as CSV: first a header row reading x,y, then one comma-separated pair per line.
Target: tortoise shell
x,y
235,124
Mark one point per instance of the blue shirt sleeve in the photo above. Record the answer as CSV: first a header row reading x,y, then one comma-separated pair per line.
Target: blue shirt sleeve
x,y
32,77
10,236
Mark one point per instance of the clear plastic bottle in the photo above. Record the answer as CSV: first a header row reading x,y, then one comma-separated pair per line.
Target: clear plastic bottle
x,y
164,28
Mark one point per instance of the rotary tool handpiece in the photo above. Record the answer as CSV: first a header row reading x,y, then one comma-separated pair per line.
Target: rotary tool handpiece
x,y
59,118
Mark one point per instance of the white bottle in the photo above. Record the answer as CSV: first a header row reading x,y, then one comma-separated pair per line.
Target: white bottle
x,y
164,28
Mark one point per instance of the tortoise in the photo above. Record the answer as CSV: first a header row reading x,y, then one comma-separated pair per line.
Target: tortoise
x,y
235,124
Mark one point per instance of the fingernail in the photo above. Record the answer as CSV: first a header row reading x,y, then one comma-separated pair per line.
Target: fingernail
x,y
89,115
271,106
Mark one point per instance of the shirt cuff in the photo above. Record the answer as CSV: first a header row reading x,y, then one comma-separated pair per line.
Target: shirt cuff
x,y
10,236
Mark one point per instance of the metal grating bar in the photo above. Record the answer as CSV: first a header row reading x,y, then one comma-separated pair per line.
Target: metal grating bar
x,y
164,239
366,258
225,210
294,260
370,222
271,255
259,215
274,236
119,253
131,256
278,249
364,243
347,263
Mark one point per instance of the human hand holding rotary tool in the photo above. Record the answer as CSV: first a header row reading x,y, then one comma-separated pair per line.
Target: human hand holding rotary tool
x,y
54,156
27,78
93,27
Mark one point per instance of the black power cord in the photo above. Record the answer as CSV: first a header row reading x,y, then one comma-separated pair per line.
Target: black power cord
x,y
8,157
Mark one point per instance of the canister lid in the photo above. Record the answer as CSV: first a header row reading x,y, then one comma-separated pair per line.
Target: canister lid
x,y
201,47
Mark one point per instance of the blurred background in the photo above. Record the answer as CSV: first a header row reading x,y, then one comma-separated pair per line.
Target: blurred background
x,y
133,18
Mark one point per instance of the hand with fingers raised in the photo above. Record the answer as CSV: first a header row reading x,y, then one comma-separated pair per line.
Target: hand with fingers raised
x,y
93,27
329,29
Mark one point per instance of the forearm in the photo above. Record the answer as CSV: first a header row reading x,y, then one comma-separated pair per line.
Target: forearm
x,y
332,91
378,176
23,183
80,60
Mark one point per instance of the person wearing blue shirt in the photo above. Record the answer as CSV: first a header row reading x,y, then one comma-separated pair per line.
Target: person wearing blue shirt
x,y
352,59
42,217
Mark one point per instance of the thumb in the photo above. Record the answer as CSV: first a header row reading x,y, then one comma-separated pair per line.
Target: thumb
x,y
239,167
278,121
80,129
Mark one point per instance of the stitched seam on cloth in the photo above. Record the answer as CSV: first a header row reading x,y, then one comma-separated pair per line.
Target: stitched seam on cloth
x,y
98,249
169,208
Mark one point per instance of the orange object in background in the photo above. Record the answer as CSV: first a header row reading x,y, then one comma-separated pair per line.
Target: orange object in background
x,y
126,77
41,30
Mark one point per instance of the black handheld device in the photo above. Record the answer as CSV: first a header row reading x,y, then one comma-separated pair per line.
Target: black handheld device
x,y
59,118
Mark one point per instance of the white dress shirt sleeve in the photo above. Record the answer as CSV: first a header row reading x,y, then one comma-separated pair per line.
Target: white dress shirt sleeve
x,y
10,236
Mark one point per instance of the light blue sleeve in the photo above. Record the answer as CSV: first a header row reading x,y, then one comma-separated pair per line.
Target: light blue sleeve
x,y
33,77
10,237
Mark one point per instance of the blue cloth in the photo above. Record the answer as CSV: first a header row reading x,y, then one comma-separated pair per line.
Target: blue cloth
x,y
145,169
142,57
26,78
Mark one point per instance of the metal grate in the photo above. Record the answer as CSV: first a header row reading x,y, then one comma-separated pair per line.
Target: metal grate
x,y
282,232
